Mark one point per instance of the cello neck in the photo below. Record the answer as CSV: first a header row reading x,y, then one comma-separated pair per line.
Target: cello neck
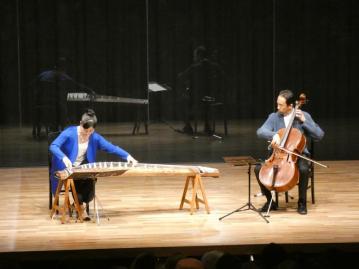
x,y
289,126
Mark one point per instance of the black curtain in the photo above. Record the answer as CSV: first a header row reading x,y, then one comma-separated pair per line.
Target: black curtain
x,y
317,50
263,47
236,34
103,41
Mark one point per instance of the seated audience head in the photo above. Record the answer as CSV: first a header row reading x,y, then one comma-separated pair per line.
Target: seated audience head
x,y
144,260
172,260
189,263
210,258
228,261
273,254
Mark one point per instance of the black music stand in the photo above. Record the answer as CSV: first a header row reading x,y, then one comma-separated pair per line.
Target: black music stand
x,y
242,161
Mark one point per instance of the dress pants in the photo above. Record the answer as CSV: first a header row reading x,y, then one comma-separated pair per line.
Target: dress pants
x,y
85,189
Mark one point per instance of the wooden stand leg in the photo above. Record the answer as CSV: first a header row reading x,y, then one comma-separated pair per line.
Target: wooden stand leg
x,y
185,192
194,194
195,200
66,206
205,202
76,201
195,188
66,202
56,200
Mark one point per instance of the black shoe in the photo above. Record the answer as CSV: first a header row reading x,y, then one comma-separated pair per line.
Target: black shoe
x,y
85,216
274,206
302,208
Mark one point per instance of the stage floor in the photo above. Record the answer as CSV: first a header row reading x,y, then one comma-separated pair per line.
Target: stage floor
x,y
143,214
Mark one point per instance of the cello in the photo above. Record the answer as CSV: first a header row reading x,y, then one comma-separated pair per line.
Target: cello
x,y
280,172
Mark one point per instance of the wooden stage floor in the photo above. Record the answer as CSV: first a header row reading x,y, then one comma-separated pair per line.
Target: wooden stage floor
x,y
143,215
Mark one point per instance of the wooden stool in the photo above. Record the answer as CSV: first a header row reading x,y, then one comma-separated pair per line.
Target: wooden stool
x,y
197,184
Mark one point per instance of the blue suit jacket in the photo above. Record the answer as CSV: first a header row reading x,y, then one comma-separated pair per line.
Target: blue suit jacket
x,y
275,122
66,144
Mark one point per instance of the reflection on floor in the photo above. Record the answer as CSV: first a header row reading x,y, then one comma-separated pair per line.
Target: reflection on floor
x,y
165,145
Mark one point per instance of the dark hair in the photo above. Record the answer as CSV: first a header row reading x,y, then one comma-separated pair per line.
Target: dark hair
x,y
200,52
89,119
61,63
288,96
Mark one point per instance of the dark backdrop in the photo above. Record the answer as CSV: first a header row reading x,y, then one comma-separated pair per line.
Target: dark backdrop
x,y
263,47
104,43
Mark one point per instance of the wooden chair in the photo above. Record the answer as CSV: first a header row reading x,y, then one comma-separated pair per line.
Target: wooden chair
x,y
140,117
47,111
211,111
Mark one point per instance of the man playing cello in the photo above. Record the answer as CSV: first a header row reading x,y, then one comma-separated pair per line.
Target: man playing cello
x,y
268,131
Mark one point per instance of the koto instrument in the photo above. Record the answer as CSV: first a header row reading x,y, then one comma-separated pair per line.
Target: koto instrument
x,y
105,169
193,181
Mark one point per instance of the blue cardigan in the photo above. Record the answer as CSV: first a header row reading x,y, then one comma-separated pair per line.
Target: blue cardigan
x,y
66,144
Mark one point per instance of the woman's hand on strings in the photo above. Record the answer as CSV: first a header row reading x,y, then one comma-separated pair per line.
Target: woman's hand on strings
x,y
132,160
